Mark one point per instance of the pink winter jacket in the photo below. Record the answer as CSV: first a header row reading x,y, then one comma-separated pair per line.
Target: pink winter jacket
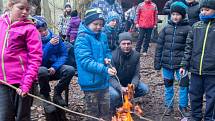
x,y
21,52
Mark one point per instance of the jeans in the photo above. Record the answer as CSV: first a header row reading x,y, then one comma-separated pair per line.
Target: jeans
x,y
116,98
65,74
169,77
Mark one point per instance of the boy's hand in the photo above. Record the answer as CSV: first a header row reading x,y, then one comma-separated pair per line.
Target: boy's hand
x,y
124,89
20,92
51,71
54,41
182,71
112,71
137,26
107,61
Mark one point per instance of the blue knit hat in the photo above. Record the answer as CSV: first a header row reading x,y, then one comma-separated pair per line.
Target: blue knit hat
x,y
179,7
112,16
92,15
40,22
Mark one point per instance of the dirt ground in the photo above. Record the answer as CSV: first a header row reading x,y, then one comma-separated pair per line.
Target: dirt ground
x,y
152,103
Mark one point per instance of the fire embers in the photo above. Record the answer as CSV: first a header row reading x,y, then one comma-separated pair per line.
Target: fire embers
x,y
124,113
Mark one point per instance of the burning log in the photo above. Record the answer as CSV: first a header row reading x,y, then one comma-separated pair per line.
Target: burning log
x,y
124,112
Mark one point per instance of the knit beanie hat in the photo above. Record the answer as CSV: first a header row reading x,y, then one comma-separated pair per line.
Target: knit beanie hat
x,y
179,7
111,16
125,36
40,22
92,15
207,4
67,5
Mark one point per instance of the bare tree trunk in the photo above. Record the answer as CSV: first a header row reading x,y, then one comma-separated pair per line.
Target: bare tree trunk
x,y
1,6
47,11
65,1
38,4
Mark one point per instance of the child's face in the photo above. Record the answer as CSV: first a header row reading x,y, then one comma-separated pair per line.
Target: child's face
x,y
176,17
68,9
207,11
113,23
19,10
43,31
96,26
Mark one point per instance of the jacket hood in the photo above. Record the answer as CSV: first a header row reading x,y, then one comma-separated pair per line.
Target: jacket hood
x,y
76,20
48,37
6,18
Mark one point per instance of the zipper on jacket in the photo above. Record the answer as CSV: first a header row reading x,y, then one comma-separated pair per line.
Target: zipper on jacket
x,y
203,48
2,54
173,41
22,64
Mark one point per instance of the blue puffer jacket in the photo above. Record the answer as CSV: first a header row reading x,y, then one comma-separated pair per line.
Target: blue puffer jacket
x,y
90,51
53,55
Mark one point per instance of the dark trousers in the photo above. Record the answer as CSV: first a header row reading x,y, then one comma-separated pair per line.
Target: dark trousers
x,y
144,34
64,73
14,107
198,86
97,104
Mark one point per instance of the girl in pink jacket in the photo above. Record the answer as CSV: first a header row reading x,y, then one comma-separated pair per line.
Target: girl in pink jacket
x,y
20,58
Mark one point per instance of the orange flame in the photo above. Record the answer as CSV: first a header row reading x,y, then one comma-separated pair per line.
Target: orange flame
x,y
123,113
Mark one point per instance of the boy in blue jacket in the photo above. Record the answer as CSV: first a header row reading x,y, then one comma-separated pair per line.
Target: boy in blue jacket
x,y
92,57
53,64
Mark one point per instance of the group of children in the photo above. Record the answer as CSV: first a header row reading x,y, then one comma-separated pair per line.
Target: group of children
x,y
180,48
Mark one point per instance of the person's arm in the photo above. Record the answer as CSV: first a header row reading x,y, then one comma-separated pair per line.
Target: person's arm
x,y
34,47
69,28
137,14
156,15
136,77
63,55
185,63
159,49
84,55
113,81
60,24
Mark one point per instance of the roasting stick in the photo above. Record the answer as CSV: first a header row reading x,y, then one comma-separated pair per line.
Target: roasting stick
x,y
51,103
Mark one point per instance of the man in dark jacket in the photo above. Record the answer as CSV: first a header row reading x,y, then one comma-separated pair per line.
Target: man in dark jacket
x,y
193,11
127,64
199,58
53,68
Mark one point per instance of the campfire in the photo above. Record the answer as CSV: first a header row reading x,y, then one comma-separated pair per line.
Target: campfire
x,y
124,113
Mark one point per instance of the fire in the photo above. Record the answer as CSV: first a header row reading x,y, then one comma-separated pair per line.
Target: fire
x,y
124,112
